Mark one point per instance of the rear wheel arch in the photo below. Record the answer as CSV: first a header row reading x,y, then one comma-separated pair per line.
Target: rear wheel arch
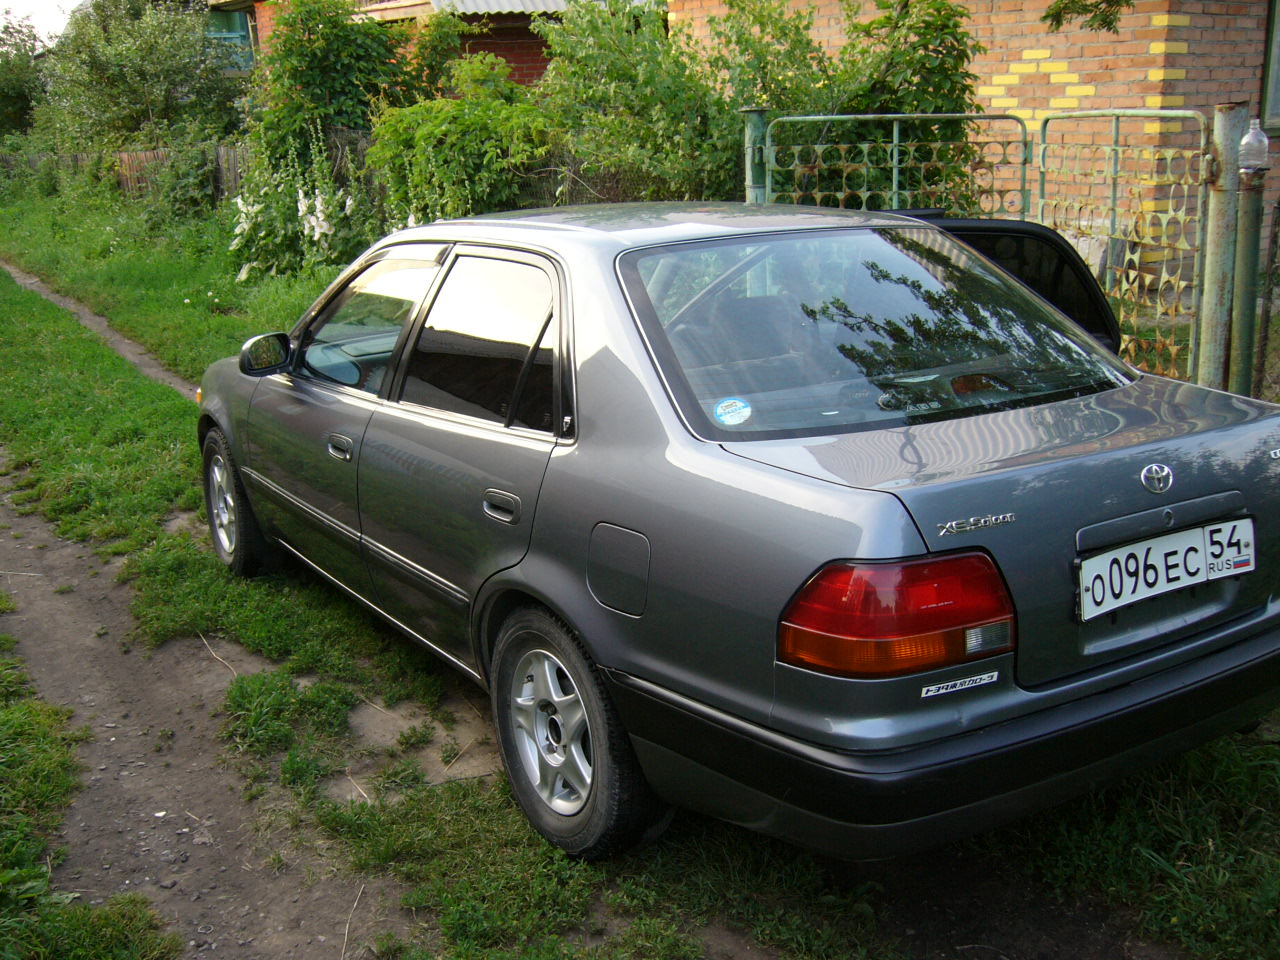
x,y
544,582
499,607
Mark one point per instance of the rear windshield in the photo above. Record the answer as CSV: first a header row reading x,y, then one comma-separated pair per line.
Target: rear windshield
x,y
827,332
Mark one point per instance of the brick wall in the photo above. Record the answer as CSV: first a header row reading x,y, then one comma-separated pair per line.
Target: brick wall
x,y
265,13
1169,53
509,37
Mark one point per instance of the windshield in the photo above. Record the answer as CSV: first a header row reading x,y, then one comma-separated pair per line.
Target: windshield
x,y
827,332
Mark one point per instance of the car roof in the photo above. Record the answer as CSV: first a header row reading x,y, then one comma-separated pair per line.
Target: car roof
x,y
625,225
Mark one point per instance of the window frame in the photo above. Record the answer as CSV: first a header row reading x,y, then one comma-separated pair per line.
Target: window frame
x,y
1270,99
408,252
562,419
680,392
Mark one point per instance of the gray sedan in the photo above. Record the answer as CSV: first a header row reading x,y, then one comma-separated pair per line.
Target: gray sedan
x,y
818,522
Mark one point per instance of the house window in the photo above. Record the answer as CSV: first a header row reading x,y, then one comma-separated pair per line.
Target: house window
x,y
233,27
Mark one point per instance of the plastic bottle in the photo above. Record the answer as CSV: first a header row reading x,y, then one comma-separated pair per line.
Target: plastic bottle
x,y
1253,148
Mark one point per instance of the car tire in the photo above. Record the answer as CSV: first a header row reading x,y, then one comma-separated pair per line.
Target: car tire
x,y
567,755
237,538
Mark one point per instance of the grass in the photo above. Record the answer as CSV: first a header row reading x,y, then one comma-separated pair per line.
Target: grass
x,y
39,774
1194,845
1192,849
171,288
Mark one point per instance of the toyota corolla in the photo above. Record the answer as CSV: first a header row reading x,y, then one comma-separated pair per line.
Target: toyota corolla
x,y
815,521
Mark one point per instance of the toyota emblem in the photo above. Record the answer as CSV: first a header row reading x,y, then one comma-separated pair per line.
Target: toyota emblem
x,y
1156,477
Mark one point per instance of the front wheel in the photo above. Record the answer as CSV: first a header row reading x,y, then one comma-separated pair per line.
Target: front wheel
x,y
236,537
567,755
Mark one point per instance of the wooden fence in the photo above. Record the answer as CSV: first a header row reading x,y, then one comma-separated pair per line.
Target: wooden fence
x,y
136,170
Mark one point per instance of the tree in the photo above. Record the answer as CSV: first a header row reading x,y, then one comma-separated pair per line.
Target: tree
x,y
326,67
1096,14
138,73
19,76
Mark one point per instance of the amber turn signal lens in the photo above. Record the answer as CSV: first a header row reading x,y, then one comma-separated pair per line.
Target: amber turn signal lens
x,y
890,619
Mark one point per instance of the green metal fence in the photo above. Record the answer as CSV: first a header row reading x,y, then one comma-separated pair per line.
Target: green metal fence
x,y
1128,187
1114,182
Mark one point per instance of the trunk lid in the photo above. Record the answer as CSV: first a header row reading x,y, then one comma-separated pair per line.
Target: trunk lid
x,y
1043,488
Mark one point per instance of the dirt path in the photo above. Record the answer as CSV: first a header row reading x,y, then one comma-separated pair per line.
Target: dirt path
x,y
162,814
99,324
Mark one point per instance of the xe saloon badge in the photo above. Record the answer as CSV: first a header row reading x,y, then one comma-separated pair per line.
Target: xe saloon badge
x,y
1156,477
974,523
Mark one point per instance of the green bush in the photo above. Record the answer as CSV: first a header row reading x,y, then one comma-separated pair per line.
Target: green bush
x,y
631,96
633,100
329,68
454,157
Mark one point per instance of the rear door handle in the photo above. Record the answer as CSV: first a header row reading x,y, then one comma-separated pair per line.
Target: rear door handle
x,y
502,506
339,447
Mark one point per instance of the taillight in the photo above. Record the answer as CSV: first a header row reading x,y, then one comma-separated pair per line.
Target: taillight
x,y
888,619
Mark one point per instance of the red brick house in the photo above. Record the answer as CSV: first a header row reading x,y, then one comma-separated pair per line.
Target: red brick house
x,y
508,33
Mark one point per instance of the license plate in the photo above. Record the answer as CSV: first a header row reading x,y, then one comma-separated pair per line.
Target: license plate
x,y
1149,568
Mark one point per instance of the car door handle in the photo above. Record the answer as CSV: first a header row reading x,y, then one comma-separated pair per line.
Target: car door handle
x,y
339,447
502,506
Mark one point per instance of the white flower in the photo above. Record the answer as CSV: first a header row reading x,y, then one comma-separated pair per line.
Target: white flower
x,y
317,226
351,202
186,300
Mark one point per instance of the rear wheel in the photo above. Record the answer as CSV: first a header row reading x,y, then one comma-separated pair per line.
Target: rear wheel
x,y
567,755
236,537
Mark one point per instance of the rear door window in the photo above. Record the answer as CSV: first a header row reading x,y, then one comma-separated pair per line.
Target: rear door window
x,y
488,345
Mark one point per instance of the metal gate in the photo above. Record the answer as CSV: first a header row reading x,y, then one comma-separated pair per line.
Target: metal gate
x,y
1128,187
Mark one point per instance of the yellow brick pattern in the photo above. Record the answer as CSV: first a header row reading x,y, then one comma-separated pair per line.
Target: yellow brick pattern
x,y
1163,126
1064,103
1167,74
992,91
1005,79
1022,68
1160,101
1082,90
1170,20
1053,66
1064,78
1036,54
1003,102
1169,46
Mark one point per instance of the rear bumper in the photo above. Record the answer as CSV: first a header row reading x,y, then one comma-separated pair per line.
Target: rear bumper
x,y
866,805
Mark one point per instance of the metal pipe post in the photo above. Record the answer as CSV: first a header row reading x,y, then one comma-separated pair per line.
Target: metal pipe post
x,y
1269,282
754,136
1230,121
1244,301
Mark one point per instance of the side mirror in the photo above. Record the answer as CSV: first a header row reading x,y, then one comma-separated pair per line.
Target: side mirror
x,y
264,355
